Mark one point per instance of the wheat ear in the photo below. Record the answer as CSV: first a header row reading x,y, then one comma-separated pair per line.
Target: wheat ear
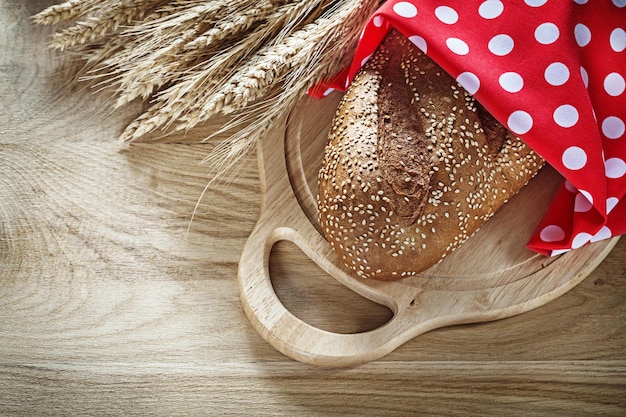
x,y
65,11
177,102
278,28
232,24
194,58
96,27
335,36
154,55
272,64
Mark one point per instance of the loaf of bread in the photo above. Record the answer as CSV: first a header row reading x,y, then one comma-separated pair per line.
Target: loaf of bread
x,y
413,167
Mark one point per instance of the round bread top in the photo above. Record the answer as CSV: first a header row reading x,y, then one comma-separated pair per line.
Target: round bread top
x,y
413,167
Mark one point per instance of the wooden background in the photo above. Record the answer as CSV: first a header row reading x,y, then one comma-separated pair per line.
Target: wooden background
x,y
113,303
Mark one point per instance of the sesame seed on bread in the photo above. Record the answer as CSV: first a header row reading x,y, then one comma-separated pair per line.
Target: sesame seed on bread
x,y
413,167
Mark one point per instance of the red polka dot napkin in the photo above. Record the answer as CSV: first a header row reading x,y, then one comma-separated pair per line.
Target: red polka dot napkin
x,y
553,72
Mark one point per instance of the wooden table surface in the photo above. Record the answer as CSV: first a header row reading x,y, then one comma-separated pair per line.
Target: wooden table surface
x,y
113,303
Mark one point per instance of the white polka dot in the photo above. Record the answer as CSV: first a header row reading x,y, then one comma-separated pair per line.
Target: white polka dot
x,y
611,202
618,40
585,76
587,195
565,115
580,1
405,9
574,158
556,73
580,240
511,82
613,127
547,33
603,233
557,252
520,122
570,187
619,3
614,84
469,81
582,35
614,167
446,14
490,9
419,42
535,3
552,233
457,46
378,21
581,203
501,45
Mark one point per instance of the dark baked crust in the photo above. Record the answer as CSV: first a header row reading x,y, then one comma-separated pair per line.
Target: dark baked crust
x,y
413,167
404,161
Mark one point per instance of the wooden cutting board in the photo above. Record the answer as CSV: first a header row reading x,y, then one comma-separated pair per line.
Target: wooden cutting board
x,y
492,276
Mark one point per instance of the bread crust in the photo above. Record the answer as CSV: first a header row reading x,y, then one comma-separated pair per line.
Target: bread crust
x,y
413,166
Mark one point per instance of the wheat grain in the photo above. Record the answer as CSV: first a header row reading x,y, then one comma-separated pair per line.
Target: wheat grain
x,y
112,15
85,31
65,11
101,22
232,25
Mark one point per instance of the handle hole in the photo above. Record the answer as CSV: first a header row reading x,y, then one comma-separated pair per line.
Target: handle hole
x,y
317,298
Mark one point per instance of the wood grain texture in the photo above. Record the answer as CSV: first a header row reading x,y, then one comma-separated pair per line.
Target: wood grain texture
x,y
108,306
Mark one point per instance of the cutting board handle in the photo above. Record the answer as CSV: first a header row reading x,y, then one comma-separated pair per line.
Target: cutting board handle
x,y
300,340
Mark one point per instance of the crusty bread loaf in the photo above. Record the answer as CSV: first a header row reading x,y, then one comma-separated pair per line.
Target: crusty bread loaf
x,y
413,167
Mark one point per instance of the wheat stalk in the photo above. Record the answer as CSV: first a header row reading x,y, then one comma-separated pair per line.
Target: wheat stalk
x,y
201,106
154,53
173,102
233,24
61,12
304,51
334,36
201,82
253,59
93,28
212,103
